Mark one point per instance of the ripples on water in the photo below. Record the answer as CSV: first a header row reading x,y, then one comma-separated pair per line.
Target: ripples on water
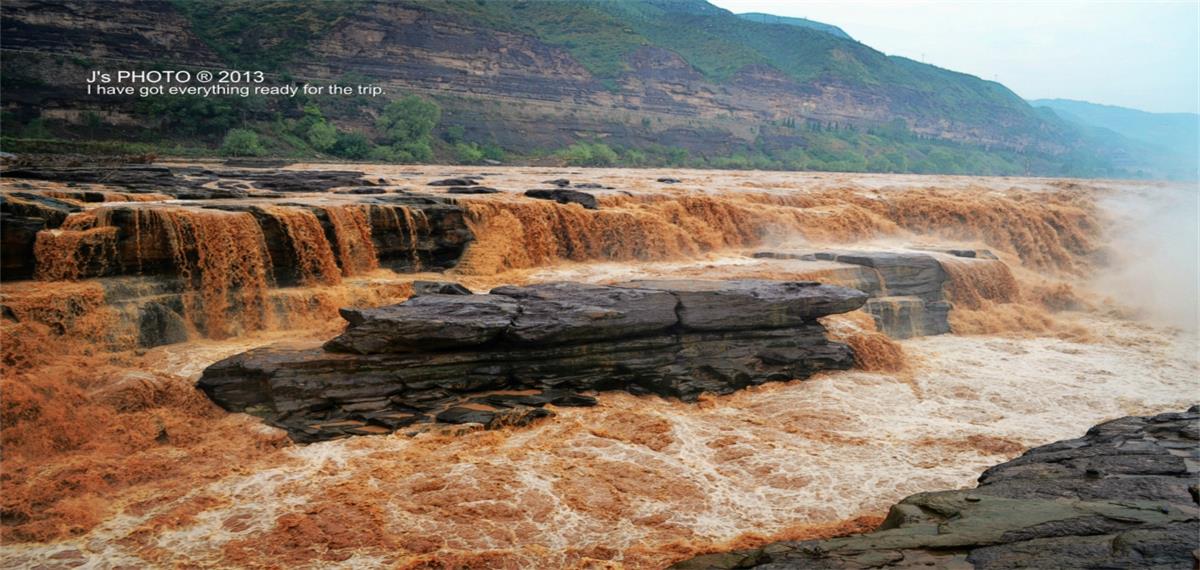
x,y
115,458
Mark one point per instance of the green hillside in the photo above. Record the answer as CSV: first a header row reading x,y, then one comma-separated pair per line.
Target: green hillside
x,y
600,34
855,108
801,22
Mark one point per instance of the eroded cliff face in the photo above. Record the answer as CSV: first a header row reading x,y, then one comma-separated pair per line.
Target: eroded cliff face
x,y
417,48
506,86
129,30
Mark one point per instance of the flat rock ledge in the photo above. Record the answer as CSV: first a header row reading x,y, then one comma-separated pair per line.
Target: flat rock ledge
x,y
495,358
1123,496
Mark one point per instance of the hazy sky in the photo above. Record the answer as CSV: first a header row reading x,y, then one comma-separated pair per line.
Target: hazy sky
x,y
1134,54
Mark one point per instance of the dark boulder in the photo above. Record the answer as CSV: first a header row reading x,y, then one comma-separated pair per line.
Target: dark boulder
x,y
560,182
159,325
494,418
453,182
471,190
361,190
563,196
438,288
463,415
670,180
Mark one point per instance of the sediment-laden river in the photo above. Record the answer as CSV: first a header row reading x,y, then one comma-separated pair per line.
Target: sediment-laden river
x,y
112,458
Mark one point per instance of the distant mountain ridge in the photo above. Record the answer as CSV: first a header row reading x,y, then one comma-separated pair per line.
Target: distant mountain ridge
x,y
1180,131
801,22
1169,141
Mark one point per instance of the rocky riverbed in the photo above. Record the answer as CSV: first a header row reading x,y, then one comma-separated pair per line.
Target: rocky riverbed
x,y
996,315
1122,496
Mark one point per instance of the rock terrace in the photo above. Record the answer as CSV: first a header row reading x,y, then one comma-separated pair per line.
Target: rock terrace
x,y
417,361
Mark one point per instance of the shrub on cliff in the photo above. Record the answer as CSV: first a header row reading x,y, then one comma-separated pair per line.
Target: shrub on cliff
x,y
408,121
242,142
406,127
352,145
468,153
589,154
322,136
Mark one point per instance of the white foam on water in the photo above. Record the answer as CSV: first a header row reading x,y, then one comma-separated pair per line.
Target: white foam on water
x,y
636,472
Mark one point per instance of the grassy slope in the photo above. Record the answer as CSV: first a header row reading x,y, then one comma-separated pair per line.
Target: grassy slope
x,y
801,22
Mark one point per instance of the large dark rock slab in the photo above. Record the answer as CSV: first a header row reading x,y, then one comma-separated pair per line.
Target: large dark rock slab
x,y
22,216
750,304
436,351
454,182
471,190
571,312
907,288
1122,496
564,196
428,322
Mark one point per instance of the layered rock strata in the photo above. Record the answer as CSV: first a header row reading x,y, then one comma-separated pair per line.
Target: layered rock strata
x,y
907,288
1122,496
399,230
418,360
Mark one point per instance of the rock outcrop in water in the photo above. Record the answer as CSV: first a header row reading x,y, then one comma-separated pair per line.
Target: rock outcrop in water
x,y
22,216
1123,496
907,288
440,356
198,183
564,196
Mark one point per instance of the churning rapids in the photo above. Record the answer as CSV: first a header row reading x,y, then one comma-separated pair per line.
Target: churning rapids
x,y
113,459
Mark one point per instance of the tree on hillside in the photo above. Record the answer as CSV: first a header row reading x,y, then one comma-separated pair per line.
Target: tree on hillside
x,y
242,142
322,136
407,125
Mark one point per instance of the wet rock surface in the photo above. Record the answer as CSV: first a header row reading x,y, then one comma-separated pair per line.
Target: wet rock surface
x,y
471,190
22,216
564,196
1122,496
438,288
407,232
527,346
460,181
195,182
907,288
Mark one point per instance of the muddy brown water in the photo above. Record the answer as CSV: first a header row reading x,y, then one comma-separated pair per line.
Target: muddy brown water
x,y
112,458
